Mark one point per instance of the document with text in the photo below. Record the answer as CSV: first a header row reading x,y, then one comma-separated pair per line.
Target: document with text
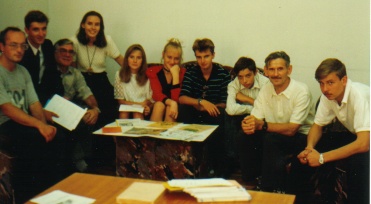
x,y
69,113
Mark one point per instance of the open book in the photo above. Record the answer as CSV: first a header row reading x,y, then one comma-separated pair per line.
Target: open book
x,y
69,113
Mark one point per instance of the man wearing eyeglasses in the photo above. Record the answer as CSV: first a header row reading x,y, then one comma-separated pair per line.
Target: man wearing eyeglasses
x,y
203,98
76,90
37,147
39,59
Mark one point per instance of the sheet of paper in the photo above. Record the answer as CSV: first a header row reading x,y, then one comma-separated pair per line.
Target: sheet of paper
x,y
60,197
131,108
69,113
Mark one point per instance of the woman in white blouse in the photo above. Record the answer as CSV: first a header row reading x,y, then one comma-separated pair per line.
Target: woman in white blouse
x,y
132,86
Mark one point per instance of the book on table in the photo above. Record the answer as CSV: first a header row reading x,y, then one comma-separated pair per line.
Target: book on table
x,y
141,193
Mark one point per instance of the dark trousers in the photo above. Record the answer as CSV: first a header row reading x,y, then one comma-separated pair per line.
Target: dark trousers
x,y
278,151
103,92
250,152
104,148
352,174
38,165
215,142
80,142
232,127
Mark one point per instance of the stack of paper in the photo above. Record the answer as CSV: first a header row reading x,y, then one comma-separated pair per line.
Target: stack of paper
x,y
210,190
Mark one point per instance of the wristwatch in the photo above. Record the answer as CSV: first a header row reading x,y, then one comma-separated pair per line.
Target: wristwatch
x,y
321,160
265,125
199,101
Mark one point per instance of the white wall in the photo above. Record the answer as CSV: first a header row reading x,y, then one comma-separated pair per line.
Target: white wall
x,y
308,30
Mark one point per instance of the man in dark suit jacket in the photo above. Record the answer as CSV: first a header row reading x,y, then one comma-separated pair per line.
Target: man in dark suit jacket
x,y
39,59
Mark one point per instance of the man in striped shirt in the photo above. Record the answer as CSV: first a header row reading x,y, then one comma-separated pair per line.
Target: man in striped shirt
x,y
204,93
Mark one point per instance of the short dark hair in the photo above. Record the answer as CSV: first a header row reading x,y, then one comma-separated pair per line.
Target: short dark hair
x,y
35,16
277,55
4,32
101,38
244,63
62,42
203,45
329,66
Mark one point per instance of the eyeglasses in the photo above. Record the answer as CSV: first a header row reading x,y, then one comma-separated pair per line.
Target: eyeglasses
x,y
14,46
64,51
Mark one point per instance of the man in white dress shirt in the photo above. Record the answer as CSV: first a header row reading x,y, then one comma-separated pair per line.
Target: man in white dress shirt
x,y
279,121
349,102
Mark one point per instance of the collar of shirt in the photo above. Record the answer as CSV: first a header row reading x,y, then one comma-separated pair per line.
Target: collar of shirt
x,y
69,71
346,92
34,50
288,92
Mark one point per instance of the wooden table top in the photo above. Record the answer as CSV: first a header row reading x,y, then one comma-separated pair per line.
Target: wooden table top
x,y
105,189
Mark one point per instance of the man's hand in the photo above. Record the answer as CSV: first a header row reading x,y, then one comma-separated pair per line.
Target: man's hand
x,y
91,116
250,124
47,131
303,155
209,107
313,158
49,115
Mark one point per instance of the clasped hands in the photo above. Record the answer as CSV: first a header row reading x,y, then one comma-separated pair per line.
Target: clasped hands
x,y
249,124
309,156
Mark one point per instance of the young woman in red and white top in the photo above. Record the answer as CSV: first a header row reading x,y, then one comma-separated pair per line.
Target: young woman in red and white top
x,y
166,82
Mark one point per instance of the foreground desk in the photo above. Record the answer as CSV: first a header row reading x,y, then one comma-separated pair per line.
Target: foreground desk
x,y
105,189
160,157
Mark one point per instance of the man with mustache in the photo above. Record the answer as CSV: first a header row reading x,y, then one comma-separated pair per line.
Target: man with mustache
x,y
349,102
279,122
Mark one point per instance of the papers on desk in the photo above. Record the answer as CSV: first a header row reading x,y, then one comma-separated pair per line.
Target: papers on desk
x,y
161,130
131,108
210,190
60,197
69,113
